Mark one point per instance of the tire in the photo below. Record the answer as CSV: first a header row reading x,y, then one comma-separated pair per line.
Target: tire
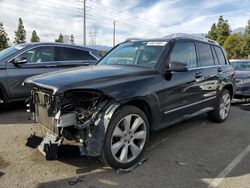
x,y
126,137
222,108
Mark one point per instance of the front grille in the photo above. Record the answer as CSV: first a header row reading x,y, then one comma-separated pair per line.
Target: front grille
x,y
43,118
42,101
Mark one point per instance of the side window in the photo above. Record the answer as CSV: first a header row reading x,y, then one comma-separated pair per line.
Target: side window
x,y
216,61
220,55
184,51
71,54
206,56
39,54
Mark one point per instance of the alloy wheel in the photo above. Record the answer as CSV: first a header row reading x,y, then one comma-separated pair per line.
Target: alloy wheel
x,y
225,105
128,138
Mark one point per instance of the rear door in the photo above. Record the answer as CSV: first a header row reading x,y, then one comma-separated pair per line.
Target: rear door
x,y
71,57
40,60
211,68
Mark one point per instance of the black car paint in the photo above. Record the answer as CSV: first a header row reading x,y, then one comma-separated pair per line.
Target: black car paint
x,y
170,96
12,75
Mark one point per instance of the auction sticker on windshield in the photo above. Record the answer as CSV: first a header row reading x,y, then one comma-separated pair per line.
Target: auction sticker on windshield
x,y
156,43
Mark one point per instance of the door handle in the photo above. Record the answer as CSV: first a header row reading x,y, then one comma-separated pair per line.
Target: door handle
x,y
51,66
219,70
198,75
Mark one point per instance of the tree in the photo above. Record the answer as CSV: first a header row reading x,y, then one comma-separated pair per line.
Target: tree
x,y
34,37
3,38
60,38
212,34
20,33
72,39
223,30
233,46
247,31
245,47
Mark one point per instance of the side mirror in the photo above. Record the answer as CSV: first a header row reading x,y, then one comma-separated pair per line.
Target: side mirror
x,y
20,60
177,66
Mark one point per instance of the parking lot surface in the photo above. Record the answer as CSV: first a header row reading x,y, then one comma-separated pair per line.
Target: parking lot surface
x,y
195,153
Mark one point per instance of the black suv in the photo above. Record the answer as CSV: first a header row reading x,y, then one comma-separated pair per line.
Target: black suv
x,y
138,87
24,60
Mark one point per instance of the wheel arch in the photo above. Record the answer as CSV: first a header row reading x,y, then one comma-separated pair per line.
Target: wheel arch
x,y
229,87
142,105
3,94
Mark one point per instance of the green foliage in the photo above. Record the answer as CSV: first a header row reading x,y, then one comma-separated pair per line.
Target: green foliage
x,y
236,45
60,38
20,33
34,37
247,31
72,39
3,38
245,47
233,46
212,34
223,30
219,31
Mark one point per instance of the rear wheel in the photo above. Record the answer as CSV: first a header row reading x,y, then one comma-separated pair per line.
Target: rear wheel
x,y
222,108
126,137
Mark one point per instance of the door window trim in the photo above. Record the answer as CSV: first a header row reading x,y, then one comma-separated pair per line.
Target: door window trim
x,y
49,45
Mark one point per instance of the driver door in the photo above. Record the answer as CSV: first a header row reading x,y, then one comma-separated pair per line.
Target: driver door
x,y
182,92
39,60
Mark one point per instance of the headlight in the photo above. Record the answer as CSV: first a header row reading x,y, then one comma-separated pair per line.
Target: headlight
x,y
243,81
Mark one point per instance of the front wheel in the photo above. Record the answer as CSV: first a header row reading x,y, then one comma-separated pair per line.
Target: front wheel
x,y
222,108
126,137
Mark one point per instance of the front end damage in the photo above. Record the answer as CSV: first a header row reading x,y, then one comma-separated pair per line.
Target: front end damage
x,y
78,115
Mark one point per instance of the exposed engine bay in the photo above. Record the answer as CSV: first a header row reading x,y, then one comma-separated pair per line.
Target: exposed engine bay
x,y
81,116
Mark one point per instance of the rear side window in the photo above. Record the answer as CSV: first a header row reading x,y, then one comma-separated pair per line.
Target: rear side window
x,y
220,55
206,56
184,51
71,54
216,61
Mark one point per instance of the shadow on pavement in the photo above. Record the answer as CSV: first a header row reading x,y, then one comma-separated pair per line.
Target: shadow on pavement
x,y
14,113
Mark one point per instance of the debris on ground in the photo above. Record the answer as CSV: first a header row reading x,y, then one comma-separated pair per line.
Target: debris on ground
x,y
181,163
75,180
126,170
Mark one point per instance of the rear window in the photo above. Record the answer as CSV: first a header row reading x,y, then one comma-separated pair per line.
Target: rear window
x,y
242,66
205,54
71,54
220,55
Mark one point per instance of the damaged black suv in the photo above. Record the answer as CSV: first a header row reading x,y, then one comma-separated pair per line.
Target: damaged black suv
x,y
140,86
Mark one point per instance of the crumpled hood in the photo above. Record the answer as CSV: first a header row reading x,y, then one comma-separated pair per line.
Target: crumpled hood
x,y
91,77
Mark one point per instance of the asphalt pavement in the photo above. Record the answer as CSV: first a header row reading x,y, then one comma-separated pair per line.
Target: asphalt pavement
x,y
195,153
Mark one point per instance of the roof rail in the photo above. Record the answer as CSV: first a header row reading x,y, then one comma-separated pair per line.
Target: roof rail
x,y
132,39
191,36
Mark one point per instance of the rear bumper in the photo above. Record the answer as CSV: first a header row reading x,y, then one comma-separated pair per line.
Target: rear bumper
x,y
242,91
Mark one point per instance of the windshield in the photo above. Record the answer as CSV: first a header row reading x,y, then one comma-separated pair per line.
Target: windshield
x,y
9,51
144,54
243,66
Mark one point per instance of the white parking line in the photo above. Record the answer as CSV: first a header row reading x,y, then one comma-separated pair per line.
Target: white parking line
x,y
218,180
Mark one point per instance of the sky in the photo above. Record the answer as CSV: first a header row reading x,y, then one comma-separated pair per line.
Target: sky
x,y
133,18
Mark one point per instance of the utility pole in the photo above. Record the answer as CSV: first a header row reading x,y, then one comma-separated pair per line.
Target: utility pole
x,y
114,34
92,38
84,21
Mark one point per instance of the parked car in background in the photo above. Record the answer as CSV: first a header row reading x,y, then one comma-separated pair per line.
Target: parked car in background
x,y
138,87
25,60
242,72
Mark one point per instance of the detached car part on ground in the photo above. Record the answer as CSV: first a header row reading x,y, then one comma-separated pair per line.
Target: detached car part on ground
x,y
138,87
